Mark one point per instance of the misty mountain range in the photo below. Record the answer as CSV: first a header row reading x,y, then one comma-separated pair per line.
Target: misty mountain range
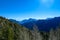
x,y
42,24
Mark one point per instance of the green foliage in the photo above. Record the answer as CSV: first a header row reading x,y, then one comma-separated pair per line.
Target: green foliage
x,y
14,31
9,30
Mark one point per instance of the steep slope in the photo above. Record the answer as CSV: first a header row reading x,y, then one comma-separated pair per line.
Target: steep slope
x,y
14,21
10,30
13,31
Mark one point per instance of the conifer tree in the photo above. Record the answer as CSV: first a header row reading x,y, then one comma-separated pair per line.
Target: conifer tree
x,y
36,33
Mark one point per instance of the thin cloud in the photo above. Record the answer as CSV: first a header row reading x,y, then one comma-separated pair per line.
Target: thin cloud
x,y
47,3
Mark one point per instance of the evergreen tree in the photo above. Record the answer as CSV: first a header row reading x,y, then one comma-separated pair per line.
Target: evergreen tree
x,y
36,33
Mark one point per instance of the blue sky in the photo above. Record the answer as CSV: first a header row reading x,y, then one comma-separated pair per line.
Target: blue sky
x,y
24,9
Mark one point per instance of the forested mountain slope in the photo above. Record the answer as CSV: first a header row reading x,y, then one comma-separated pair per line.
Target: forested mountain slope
x,y
13,31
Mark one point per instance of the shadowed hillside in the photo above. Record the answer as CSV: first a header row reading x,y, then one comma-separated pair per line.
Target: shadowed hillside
x,y
13,31
42,24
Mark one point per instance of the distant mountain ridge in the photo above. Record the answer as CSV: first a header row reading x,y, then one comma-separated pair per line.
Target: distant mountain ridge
x,y
42,24
27,20
10,30
13,31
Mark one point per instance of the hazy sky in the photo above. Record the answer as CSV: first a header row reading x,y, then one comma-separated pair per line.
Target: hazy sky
x,y
24,9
